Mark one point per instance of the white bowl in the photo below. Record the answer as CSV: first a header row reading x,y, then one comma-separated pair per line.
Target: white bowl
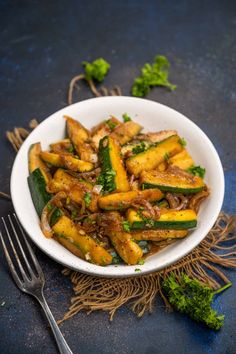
x,y
153,116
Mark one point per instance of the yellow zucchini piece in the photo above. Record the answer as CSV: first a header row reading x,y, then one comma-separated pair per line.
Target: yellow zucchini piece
x,y
127,249
172,181
89,249
151,158
63,181
103,129
169,219
67,161
74,187
126,131
119,201
63,146
80,136
35,161
158,235
182,160
113,176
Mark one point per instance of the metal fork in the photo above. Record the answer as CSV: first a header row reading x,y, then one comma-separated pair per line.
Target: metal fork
x,y
30,281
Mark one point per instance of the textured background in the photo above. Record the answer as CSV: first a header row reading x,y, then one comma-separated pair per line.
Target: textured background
x,y
42,47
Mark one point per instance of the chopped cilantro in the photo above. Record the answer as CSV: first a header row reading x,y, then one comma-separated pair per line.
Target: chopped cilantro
x,y
126,118
74,214
111,124
137,270
87,198
141,261
197,171
155,74
70,148
126,226
139,148
166,156
182,142
49,206
96,70
106,179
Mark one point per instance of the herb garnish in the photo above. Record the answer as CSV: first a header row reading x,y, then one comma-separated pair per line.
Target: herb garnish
x,y
166,156
191,297
155,74
126,118
182,142
96,70
197,171
111,124
141,261
87,198
139,148
126,226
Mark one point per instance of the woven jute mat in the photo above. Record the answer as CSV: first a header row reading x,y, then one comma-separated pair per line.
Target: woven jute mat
x,y
207,262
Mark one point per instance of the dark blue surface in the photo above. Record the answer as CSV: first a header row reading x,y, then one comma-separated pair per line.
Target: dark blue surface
x,y
42,47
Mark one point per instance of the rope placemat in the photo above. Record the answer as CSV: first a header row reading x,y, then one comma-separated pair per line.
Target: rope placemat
x,y
205,263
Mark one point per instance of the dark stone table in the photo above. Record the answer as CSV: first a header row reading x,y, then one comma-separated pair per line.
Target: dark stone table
x,y
42,46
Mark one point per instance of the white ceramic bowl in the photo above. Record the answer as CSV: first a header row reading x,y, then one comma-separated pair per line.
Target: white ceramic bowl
x,y
153,116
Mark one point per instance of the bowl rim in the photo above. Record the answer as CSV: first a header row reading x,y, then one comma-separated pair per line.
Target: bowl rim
x,y
115,273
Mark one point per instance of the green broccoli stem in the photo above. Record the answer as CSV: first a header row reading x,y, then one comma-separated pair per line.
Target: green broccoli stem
x,y
226,286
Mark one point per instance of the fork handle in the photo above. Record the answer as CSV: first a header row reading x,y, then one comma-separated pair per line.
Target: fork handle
x,y
62,345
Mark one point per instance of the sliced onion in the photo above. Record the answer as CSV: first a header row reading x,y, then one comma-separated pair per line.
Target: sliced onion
x,y
97,188
47,213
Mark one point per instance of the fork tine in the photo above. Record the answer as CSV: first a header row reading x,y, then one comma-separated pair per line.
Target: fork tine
x,y
10,263
21,248
35,261
24,276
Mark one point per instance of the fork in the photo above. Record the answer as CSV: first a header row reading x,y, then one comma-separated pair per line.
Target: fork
x,y
30,281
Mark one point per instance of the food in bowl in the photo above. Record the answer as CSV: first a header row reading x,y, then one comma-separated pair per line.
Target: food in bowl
x,y
114,195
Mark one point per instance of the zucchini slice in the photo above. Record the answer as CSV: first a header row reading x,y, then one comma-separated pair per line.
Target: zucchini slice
x,y
126,131
79,137
103,129
120,201
37,186
127,249
158,235
35,161
172,182
79,243
169,219
113,176
63,146
151,158
66,161
75,188
182,160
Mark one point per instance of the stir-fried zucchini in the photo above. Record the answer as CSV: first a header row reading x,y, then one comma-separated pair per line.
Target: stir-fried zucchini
x,y
38,191
151,158
120,201
127,249
76,188
63,146
35,161
113,176
158,235
172,181
80,138
125,132
67,161
182,160
88,248
169,219
103,129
